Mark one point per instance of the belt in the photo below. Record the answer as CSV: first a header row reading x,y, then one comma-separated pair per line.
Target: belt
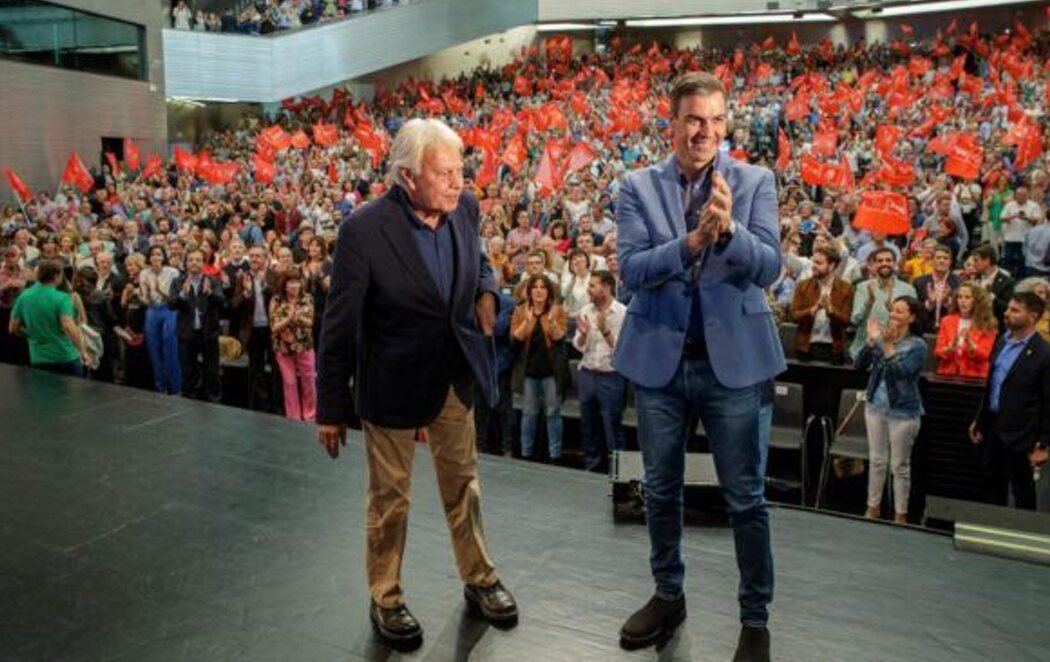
x,y
694,349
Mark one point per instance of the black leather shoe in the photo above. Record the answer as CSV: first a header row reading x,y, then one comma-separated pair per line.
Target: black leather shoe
x,y
397,626
753,645
655,621
495,603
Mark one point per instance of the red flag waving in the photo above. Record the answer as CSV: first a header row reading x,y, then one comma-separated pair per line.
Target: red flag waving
x,y
793,46
886,138
825,142
882,212
580,157
154,166
218,173
896,173
823,174
783,150
515,154
132,155
326,134
76,173
1028,138
489,170
184,160
17,185
265,172
113,163
300,140
333,173
548,175
964,160
277,138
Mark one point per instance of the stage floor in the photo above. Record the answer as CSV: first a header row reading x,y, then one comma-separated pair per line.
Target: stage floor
x,y
137,527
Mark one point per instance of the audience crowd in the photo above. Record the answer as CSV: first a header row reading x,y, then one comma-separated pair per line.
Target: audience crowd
x,y
174,269
255,17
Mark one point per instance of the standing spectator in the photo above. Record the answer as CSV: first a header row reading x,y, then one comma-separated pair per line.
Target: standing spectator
x,y
162,341
1037,250
538,327
291,327
134,358
251,299
99,317
1041,288
603,391
1012,425
46,317
966,338
994,279
503,412
198,304
14,279
575,285
874,297
181,16
821,306
1019,216
521,239
936,290
896,354
317,272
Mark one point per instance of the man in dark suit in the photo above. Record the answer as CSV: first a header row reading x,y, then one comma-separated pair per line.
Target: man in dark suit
x,y
200,301
1012,426
996,281
410,317
936,290
252,292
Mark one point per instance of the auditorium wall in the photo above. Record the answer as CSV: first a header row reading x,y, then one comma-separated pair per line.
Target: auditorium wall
x,y
46,112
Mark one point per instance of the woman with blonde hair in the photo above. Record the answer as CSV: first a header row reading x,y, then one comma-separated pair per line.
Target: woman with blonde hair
x,y
966,337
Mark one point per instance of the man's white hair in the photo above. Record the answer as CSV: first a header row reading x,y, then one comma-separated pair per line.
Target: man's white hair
x,y
412,142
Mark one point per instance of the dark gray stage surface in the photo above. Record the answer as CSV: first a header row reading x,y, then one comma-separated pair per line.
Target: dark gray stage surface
x,y
136,527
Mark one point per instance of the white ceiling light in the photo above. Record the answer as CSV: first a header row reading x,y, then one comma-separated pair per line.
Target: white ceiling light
x,y
564,27
737,19
934,7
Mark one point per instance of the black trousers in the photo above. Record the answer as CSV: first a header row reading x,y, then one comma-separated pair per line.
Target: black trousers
x,y
501,416
197,352
1003,470
260,381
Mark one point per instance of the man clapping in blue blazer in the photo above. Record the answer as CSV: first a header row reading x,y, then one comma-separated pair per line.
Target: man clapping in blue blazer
x,y
698,239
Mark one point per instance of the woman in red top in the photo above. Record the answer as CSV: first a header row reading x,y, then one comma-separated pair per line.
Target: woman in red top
x,y
966,338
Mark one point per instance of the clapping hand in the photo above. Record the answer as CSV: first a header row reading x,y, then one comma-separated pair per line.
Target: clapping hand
x,y
716,216
583,325
874,329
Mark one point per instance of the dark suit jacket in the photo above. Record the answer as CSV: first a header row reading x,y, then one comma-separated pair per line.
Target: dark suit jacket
x,y
1024,400
386,325
929,317
1002,288
244,303
210,307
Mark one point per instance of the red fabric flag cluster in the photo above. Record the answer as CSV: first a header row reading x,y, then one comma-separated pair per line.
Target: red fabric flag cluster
x,y
886,138
218,173
325,135
882,212
154,166
276,137
825,143
817,173
964,161
514,155
185,161
489,169
300,140
783,150
265,171
895,172
1028,138
17,185
132,155
76,173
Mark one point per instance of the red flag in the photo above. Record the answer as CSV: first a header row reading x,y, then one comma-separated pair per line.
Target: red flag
x,y
896,173
132,155
17,185
822,174
218,173
277,138
764,72
848,181
184,160
522,86
515,153
882,212
907,30
154,166
76,173
1028,138
326,134
886,138
769,44
954,25
300,140
265,172
964,161
825,142
783,150
333,173
580,157
489,170
114,165
548,175
793,46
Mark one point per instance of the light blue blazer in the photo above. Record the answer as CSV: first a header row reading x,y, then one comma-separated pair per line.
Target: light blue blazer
x,y
742,340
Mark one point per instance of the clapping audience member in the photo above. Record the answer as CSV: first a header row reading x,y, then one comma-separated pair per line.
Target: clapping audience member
x,y
966,337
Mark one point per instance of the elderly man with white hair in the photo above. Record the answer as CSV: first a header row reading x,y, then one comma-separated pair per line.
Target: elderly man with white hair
x,y
410,318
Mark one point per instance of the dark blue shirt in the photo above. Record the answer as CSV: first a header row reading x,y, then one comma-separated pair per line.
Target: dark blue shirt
x,y
694,197
436,249
1003,364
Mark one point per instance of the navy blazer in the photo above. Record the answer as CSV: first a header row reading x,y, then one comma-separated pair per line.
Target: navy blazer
x,y
387,326
1024,399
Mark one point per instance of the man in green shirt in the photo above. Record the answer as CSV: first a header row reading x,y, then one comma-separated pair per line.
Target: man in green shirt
x,y
45,316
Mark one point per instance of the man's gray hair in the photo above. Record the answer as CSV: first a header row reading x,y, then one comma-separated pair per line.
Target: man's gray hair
x,y
412,142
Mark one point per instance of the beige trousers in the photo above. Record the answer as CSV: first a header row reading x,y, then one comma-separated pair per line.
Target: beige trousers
x,y
452,444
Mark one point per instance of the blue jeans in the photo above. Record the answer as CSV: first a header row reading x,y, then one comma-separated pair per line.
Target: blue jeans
x,y
162,342
732,420
603,396
541,394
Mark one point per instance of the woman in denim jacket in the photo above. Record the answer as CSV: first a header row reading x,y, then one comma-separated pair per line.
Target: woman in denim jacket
x,y
896,355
